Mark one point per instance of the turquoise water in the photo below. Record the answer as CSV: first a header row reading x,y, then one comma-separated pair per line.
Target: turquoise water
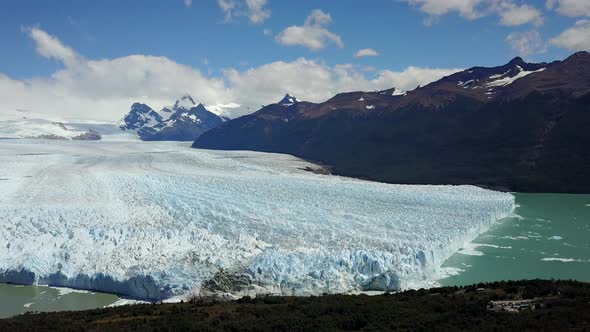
x,y
547,237
15,299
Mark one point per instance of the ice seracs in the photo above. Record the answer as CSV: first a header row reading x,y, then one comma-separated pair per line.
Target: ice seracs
x,y
165,219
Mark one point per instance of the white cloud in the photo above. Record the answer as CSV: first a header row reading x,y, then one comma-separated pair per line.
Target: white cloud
x,y
410,78
228,7
465,8
526,43
313,81
254,9
50,47
576,38
103,90
313,34
572,8
188,3
510,13
366,52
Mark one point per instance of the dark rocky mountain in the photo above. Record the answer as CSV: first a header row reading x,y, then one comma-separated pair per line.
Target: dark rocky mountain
x,y
184,121
139,116
49,130
184,103
288,100
183,125
519,127
90,135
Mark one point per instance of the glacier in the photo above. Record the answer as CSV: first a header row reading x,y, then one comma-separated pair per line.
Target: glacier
x,y
153,220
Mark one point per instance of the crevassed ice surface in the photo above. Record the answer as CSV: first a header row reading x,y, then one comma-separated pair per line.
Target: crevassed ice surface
x,y
153,220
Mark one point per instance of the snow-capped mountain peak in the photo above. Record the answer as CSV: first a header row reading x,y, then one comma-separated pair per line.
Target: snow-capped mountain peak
x,y
184,103
184,121
393,92
139,116
193,112
398,92
517,61
288,100
486,82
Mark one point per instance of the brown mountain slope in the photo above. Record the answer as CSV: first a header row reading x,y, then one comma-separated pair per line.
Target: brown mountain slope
x,y
520,127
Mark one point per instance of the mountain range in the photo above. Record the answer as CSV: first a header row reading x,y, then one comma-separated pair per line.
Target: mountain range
x,y
519,127
184,121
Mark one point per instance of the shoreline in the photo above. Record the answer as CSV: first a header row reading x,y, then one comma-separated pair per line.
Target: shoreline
x,y
448,308
435,283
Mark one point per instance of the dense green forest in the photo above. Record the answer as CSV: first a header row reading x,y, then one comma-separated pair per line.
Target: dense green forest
x,y
560,305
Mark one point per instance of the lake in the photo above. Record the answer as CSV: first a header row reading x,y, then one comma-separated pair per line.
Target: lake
x,y
546,237
16,299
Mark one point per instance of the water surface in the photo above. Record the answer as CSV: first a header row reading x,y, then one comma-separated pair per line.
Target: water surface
x,y
548,236
16,299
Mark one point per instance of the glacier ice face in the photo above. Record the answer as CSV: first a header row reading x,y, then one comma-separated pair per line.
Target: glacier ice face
x,y
153,220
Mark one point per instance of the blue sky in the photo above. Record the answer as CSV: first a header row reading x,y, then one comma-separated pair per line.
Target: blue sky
x,y
232,44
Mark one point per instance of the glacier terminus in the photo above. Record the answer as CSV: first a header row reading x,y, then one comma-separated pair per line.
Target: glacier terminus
x,y
157,220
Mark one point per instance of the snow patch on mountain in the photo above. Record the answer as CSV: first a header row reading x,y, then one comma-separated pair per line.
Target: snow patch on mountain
x,y
140,115
393,92
191,116
288,100
464,84
509,80
492,77
398,92
165,113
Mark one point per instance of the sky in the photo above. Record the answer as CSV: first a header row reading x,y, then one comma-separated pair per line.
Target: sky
x,y
90,60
